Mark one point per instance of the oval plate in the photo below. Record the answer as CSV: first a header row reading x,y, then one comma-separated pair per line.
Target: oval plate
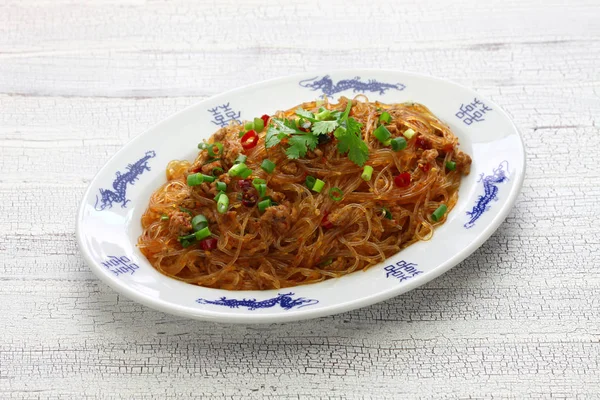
x,y
108,223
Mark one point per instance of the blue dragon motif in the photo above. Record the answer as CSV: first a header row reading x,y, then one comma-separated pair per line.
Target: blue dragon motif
x,y
326,85
490,192
285,301
119,195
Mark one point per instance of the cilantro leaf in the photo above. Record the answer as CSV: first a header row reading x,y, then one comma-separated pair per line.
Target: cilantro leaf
x,y
274,136
323,127
350,141
306,114
299,145
286,126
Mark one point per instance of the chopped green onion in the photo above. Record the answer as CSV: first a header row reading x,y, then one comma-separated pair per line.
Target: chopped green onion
x,y
208,178
237,169
310,181
195,179
249,125
199,222
185,243
267,165
264,204
217,171
336,194
367,172
386,213
245,173
259,125
185,210
222,203
382,134
240,159
219,195
211,149
202,233
221,186
164,217
450,165
202,145
439,213
242,133
398,143
409,133
326,262
261,186
385,117
318,186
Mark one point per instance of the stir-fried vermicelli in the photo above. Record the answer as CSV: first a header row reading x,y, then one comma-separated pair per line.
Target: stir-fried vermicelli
x,y
315,192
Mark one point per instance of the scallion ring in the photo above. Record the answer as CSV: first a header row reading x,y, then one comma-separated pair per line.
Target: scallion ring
x,y
211,149
336,194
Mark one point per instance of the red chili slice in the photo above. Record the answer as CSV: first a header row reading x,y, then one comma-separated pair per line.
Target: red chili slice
x,y
208,244
402,180
265,119
325,222
249,140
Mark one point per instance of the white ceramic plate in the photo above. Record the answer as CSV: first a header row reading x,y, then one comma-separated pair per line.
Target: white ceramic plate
x,y
108,224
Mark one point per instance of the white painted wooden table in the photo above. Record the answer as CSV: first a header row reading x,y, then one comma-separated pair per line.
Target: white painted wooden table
x,y
518,319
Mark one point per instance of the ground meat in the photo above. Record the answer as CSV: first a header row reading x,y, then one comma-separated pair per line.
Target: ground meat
x,y
339,217
277,197
180,223
208,168
290,168
429,156
281,218
463,162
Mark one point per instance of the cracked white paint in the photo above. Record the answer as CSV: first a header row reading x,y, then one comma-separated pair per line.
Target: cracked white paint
x,y
518,319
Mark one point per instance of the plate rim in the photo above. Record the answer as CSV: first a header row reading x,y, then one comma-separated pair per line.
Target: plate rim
x,y
297,315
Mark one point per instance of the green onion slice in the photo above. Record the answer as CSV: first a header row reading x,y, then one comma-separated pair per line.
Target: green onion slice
x,y
336,194
386,213
310,181
222,203
208,178
249,125
450,165
367,173
195,179
439,213
268,166
217,171
382,134
398,144
245,173
385,117
409,133
318,186
211,149
199,222
164,217
264,204
202,233
221,186
259,125
237,169
240,159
